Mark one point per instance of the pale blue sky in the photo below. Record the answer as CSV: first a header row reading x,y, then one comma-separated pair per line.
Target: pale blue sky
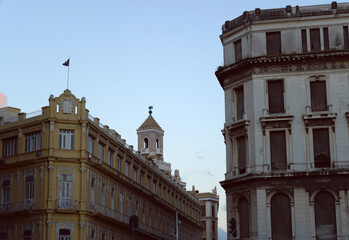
x,y
125,56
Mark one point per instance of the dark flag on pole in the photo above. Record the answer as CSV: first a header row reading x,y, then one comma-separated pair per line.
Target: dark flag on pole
x,y
66,63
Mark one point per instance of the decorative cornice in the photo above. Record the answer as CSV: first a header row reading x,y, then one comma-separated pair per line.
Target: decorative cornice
x,y
288,63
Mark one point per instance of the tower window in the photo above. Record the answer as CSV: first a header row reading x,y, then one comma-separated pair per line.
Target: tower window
x,y
157,143
145,143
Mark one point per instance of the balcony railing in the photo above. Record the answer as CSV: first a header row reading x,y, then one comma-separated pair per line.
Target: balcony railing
x,y
106,211
66,204
144,150
18,206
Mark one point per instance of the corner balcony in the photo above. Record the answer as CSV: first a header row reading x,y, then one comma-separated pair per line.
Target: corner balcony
x,y
26,205
66,204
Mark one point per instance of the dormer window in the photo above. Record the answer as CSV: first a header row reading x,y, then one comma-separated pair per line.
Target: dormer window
x,y
273,43
145,143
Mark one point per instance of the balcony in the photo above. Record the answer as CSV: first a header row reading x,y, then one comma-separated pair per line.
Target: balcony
x,y
17,206
66,204
145,151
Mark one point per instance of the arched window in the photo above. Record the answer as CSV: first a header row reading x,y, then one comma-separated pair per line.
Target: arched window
x,y
325,216
281,226
145,143
244,216
157,143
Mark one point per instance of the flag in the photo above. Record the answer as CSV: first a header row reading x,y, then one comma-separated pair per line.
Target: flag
x,y
66,63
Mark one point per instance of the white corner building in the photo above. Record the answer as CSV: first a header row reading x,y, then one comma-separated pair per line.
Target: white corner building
x,y
286,84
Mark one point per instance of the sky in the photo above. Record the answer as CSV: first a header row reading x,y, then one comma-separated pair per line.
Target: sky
x,y
124,57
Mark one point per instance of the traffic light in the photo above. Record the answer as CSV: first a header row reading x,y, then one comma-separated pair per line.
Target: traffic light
x,y
232,226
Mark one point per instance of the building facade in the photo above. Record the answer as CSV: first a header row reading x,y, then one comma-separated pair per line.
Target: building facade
x,y
286,84
64,175
209,202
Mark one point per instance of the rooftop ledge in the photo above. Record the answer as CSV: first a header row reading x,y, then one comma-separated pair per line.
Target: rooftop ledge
x,y
283,13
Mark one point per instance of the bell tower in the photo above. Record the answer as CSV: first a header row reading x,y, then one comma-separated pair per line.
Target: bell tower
x,y
150,142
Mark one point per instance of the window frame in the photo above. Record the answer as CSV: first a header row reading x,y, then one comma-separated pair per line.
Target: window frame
x,y
66,139
10,146
32,141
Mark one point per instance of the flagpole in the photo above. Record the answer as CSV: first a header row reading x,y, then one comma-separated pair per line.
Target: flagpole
x,y
68,74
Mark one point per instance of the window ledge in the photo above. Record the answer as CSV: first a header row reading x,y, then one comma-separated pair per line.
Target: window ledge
x,y
319,119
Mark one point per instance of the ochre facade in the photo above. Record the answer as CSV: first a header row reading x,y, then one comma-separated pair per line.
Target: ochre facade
x,y
66,176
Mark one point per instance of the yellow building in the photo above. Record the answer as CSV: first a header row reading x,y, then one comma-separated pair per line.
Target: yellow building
x,y
64,175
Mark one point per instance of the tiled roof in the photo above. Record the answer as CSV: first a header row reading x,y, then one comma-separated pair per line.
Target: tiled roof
x,y
150,123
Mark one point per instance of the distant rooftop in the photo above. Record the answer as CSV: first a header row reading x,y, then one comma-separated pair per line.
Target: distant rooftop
x,y
288,12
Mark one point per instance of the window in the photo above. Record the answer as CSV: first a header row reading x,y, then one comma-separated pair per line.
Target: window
x,y
66,139
118,163
121,203
90,145
110,158
29,187
273,43
141,179
146,143
240,108
135,174
27,234
154,187
326,40
64,234
33,141
241,149
148,182
304,41
203,210
325,216
213,212
276,96
9,146
127,168
92,190
238,50
315,45
5,197
3,234
112,199
281,226
321,148
157,143
101,151
318,96
346,37
244,217
65,191
92,234
278,150
103,194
